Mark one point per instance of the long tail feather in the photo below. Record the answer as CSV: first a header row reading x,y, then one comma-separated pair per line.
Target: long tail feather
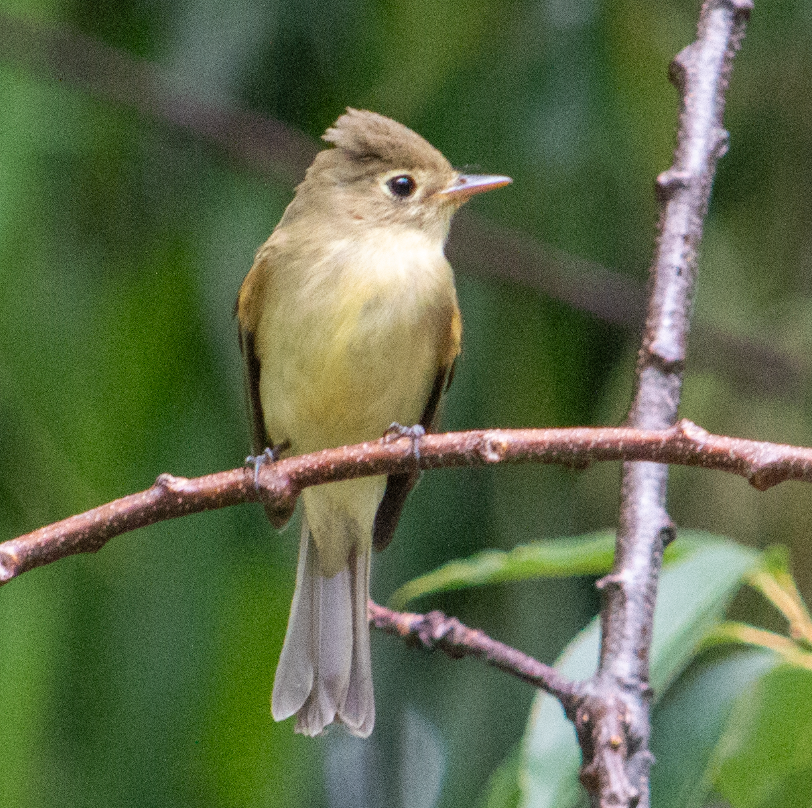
x,y
324,672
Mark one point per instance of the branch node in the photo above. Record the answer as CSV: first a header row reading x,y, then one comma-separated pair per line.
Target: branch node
x,y
722,143
669,182
171,484
694,433
741,7
765,477
492,448
612,580
668,533
678,69
435,627
667,354
8,565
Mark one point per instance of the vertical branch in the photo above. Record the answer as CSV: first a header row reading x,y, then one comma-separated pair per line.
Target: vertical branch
x,y
613,718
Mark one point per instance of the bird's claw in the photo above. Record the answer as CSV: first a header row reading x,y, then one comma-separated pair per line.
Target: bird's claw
x,y
414,433
269,455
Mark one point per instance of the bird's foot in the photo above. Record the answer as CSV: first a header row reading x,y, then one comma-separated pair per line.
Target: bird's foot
x,y
414,433
270,455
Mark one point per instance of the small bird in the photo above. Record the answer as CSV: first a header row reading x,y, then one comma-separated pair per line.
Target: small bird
x,y
348,323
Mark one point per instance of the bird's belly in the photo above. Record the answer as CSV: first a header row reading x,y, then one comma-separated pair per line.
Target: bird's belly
x,y
354,374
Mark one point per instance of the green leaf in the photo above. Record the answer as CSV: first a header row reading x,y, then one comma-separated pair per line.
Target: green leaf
x,y
692,599
556,558
776,560
503,785
765,758
690,719
694,592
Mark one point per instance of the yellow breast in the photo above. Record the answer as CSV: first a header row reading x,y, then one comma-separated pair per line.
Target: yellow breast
x,y
351,339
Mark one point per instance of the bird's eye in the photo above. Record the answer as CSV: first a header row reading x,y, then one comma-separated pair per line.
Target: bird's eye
x,y
402,186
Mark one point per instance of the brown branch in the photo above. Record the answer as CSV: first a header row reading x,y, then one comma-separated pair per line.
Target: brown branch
x,y
762,464
614,739
447,634
274,149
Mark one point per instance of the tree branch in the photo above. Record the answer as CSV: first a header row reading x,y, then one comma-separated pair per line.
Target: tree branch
x,y
614,735
447,634
762,464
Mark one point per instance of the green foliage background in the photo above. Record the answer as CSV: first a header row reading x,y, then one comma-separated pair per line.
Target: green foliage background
x,y
141,676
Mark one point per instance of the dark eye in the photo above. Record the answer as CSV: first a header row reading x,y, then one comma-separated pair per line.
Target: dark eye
x,y
402,186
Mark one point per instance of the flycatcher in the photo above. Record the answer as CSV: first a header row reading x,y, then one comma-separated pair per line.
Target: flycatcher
x,y
348,323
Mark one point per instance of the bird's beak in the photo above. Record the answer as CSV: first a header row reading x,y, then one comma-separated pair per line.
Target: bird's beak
x,y
466,185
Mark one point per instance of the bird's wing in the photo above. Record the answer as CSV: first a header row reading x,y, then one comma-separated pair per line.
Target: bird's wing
x,y
247,311
259,436
398,486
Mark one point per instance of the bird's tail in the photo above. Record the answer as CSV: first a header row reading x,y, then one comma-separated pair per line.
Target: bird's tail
x,y
325,672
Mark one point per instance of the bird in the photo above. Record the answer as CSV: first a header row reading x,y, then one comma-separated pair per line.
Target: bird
x,y
348,324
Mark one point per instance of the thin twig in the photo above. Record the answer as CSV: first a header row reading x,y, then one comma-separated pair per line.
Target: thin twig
x,y
614,738
762,464
447,634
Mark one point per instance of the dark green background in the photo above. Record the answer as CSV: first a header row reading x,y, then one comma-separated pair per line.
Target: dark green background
x,y
140,676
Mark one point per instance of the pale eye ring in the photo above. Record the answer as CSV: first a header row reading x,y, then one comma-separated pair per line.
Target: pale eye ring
x,y
402,186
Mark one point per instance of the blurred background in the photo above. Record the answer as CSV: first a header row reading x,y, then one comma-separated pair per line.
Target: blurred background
x,y
146,150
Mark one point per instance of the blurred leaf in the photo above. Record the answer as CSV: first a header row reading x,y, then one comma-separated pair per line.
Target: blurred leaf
x,y
765,758
774,580
693,595
692,599
691,717
503,786
776,560
556,558
734,631
588,555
